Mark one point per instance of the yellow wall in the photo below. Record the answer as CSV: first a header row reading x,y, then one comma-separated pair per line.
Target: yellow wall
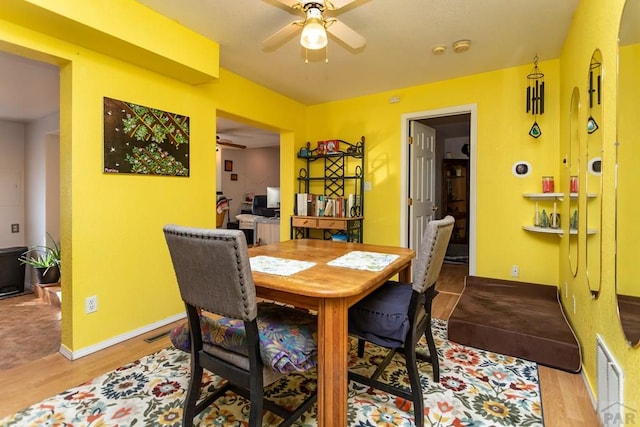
x,y
628,173
595,26
503,139
111,225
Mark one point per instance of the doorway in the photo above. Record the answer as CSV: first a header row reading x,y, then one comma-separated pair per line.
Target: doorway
x,y
455,131
30,123
248,166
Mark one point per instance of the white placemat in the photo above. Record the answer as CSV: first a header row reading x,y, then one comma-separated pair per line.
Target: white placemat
x,y
370,261
278,266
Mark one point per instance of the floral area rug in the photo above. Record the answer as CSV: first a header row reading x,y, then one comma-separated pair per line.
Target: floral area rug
x,y
477,388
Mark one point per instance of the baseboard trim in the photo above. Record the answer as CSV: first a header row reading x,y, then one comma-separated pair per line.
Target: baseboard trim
x,y
594,402
77,354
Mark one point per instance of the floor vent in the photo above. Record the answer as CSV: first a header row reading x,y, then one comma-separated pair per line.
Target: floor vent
x,y
611,409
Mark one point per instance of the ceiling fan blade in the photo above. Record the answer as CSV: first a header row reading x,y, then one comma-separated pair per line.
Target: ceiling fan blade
x,y
334,4
231,144
228,143
279,37
345,34
291,3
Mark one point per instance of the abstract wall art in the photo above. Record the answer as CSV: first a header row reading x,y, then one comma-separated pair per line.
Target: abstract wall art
x,y
144,140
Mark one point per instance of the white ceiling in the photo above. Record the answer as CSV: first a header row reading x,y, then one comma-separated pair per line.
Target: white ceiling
x,y
28,89
400,35
240,134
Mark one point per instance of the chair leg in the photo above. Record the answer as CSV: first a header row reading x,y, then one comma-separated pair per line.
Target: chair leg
x,y
255,412
361,344
193,393
256,393
416,388
433,354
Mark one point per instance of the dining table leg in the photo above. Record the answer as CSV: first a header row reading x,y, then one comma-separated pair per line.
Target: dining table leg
x,y
333,351
404,275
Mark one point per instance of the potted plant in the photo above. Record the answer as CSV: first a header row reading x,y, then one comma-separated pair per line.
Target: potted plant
x,y
45,260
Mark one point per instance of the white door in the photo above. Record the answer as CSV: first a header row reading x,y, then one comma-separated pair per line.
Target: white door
x,y
421,181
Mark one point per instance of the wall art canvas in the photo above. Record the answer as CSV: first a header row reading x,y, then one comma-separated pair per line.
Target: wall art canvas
x,y
144,140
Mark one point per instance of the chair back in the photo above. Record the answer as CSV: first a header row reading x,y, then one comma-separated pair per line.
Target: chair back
x,y
213,270
432,251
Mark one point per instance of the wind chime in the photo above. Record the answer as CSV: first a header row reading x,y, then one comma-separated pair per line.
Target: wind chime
x,y
535,97
594,71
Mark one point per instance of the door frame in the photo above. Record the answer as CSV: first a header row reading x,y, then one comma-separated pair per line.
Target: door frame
x,y
471,109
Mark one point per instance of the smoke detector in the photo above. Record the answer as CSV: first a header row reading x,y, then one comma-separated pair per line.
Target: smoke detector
x,y
461,46
438,50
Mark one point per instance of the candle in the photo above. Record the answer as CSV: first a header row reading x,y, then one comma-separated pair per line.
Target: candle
x,y
554,209
536,219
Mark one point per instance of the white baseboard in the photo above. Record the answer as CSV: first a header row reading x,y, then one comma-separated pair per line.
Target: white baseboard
x,y
73,355
594,402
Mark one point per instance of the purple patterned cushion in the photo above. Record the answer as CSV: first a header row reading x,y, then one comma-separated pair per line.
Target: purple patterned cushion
x,y
288,337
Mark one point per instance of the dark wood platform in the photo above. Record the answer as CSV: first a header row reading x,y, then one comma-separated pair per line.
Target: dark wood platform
x,y
518,319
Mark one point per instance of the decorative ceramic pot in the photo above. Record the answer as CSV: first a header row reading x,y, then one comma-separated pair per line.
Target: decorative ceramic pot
x,y
45,275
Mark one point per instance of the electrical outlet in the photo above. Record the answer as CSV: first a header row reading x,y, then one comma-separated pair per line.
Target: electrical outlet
x,y
15,228
91,304
515,271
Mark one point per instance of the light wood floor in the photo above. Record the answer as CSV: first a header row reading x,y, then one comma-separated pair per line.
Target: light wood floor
x,y
565,400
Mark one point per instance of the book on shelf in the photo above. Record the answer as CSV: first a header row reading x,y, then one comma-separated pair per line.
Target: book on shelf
x,y
301,204
330,209
307,204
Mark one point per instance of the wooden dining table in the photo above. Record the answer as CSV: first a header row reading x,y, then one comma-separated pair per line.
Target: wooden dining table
x,y
330,290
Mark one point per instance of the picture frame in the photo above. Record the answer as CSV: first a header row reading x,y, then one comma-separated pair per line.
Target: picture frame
x,y
234,177
228,165
332,146
128,148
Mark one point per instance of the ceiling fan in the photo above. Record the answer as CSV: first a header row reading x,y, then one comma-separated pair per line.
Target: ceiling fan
x,y
228,143
315,25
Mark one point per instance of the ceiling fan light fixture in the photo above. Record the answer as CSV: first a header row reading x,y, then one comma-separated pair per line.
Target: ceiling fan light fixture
x,y
314,35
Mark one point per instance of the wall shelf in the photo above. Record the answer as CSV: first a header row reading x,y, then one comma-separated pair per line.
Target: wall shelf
x,y
551,196
554,197
558,231
543,196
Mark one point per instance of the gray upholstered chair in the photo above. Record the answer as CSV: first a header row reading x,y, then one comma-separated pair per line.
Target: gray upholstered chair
x,y
250,345
396,315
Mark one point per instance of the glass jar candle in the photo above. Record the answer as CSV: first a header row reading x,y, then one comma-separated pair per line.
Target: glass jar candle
x,y
573,184
547,184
